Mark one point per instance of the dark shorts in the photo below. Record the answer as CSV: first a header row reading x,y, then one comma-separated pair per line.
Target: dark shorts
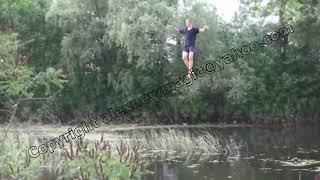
x,y
189,49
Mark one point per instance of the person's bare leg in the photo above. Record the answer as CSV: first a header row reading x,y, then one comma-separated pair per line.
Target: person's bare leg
x,y
190,61
185,56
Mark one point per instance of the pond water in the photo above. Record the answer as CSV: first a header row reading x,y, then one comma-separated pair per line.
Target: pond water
x,y
286,154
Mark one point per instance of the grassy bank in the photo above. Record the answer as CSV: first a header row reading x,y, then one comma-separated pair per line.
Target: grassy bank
x,y
120,153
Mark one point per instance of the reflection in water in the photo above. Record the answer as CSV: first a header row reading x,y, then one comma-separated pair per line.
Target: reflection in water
x,y
263,159
164,171
168,173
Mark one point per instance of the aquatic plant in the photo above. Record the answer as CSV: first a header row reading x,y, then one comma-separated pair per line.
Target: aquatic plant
x,y
81,160
185,141
14,162
99,159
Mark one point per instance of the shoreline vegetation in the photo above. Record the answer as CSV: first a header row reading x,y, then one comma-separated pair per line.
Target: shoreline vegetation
x,y
126,158
59,129
79,159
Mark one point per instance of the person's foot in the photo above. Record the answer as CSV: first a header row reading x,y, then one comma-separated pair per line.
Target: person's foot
x,y
189,75
191,71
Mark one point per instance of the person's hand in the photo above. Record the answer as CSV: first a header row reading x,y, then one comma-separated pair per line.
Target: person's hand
x,y
175,28
206,27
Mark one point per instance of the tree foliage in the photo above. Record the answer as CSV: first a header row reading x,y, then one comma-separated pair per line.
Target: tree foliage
x,y
112,51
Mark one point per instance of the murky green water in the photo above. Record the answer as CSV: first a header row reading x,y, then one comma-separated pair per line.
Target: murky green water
x,y
266,155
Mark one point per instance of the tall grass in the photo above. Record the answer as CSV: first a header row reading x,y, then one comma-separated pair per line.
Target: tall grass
x,y
185,141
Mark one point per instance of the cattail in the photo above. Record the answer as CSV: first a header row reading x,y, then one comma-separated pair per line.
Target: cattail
x,y
127,157
71,149
133,170
101,140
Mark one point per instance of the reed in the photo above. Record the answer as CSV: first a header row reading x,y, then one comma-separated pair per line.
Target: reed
x,y
172,139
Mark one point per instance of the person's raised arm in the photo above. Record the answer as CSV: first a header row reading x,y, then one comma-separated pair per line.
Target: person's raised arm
x,y
204,29
176,29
